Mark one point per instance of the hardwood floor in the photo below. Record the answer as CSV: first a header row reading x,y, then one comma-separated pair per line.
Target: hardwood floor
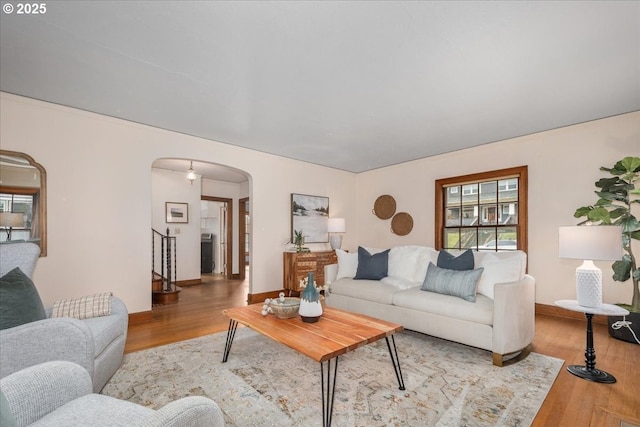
x,y
571,402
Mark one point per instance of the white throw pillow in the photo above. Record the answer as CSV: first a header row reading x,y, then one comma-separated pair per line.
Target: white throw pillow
x,y
402,262
347,264
425,255
498,270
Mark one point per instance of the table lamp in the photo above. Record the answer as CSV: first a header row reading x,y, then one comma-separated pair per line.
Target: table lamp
x,y
336,225
8,220
589,243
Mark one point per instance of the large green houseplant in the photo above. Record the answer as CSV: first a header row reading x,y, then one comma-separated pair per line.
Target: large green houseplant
x,y
617,196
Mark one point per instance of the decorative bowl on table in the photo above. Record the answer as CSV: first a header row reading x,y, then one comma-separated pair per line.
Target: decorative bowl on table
x,y
285,309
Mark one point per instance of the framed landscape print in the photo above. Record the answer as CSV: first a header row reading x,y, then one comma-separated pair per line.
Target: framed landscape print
x,y
177,212
310,214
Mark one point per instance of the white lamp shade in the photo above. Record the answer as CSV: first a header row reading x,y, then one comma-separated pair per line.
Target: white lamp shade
x,y
595,242
11,219
336,225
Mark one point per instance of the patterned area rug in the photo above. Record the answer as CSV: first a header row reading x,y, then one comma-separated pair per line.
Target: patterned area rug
x,y
267,384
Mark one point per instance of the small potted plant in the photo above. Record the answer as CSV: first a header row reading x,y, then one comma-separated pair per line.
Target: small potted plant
x,y
617,196
298,240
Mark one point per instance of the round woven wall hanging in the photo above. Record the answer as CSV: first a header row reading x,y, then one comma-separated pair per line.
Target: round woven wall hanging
x,y
384,207
401,224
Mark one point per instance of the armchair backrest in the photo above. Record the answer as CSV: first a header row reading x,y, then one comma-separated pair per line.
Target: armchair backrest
x,y
23,255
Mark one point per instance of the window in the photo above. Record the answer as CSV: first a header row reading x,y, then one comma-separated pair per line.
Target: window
x,y
485,211
16,202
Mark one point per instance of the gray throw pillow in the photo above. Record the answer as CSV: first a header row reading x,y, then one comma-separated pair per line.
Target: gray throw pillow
x,y
6,417
457,283
372,267
464,261
20,302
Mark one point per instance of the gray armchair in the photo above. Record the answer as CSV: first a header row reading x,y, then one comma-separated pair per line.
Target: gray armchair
x,y
96,344
59,394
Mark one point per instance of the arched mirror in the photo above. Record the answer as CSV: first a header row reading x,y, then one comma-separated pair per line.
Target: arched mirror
x,y
23,199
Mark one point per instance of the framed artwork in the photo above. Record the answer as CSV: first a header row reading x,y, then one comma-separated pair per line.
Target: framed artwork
x,y
177,212
310,214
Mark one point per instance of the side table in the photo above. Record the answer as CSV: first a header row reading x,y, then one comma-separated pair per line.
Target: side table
x,y
589,371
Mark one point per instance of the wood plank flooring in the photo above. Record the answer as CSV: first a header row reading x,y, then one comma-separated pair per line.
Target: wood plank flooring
x,y
571,402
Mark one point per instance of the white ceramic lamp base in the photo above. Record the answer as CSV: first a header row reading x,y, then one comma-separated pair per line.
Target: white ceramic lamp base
x,y
336,241
589,285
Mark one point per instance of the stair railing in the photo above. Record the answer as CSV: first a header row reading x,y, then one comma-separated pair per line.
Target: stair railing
x,y
163,248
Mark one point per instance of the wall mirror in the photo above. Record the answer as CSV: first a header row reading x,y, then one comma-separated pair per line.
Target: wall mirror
x,y
23,199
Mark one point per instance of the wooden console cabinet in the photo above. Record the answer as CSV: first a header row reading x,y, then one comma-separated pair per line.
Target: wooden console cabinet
x,y
298,265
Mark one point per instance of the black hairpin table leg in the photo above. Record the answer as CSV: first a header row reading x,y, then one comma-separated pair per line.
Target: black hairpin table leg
x,y
328,394
396,362
231,333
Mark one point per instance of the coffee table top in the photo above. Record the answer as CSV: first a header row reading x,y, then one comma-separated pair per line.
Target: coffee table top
x,y
335,333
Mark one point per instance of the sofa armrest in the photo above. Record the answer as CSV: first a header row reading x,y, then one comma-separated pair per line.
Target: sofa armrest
x,y
118,308
46,340
192,411
330,273
38,390
513,315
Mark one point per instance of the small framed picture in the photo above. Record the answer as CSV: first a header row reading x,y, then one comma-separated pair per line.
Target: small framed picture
x,y
177,212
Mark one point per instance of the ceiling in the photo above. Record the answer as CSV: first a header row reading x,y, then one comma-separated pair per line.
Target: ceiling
x,y
353,85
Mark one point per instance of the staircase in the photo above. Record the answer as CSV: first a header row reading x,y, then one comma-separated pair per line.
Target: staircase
x,y
163,269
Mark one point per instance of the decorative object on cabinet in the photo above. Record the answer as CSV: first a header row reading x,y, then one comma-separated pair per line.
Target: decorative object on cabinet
x,y
297,265
401,224
177,212
311,214
384,207
336,226
310,308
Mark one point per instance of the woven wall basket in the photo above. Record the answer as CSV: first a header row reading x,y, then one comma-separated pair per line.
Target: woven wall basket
x,y
384,207
401,224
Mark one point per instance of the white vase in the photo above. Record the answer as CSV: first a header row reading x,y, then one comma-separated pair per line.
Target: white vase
x,y
310,308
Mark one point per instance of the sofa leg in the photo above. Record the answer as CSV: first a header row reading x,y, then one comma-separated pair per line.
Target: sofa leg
x,y
497,359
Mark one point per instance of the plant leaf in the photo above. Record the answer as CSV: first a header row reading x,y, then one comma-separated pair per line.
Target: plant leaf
x,y
622,269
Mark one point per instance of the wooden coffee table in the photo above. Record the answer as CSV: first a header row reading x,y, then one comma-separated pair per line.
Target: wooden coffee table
x,y
336,333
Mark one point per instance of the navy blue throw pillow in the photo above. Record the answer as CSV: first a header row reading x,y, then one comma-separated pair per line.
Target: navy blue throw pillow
x,y
464,261
372,267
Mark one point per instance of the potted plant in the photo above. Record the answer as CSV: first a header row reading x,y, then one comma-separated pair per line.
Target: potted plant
x,y
298,240
617,195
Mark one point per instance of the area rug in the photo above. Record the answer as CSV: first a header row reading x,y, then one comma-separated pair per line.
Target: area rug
x,y
265,383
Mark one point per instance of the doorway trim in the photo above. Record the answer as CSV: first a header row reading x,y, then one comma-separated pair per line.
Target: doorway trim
x,y
229,237
242,231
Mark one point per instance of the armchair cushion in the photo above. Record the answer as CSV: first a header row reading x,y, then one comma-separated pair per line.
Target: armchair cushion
x,y
6,417
20,302
85,307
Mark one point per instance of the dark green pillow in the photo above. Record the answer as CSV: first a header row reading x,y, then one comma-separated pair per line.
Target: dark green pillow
x,y
20,302
6,417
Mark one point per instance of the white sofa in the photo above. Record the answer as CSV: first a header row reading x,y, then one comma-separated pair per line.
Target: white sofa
x,y
500,320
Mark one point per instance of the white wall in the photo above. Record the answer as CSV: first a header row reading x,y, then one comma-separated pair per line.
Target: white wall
x,y
99,186
563,167
174,187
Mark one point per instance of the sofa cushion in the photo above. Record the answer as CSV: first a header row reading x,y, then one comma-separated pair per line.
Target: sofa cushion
x,y
504,269
461,284
446,305
84,307
369,290
425,256
464,261
6,417
20,302
347,264
399,283
402,262
372,267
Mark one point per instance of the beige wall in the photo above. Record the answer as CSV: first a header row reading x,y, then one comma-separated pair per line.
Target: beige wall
x,y
100,197
563,166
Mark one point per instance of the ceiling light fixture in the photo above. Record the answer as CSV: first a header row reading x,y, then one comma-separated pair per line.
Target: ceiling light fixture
x,y
191,174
